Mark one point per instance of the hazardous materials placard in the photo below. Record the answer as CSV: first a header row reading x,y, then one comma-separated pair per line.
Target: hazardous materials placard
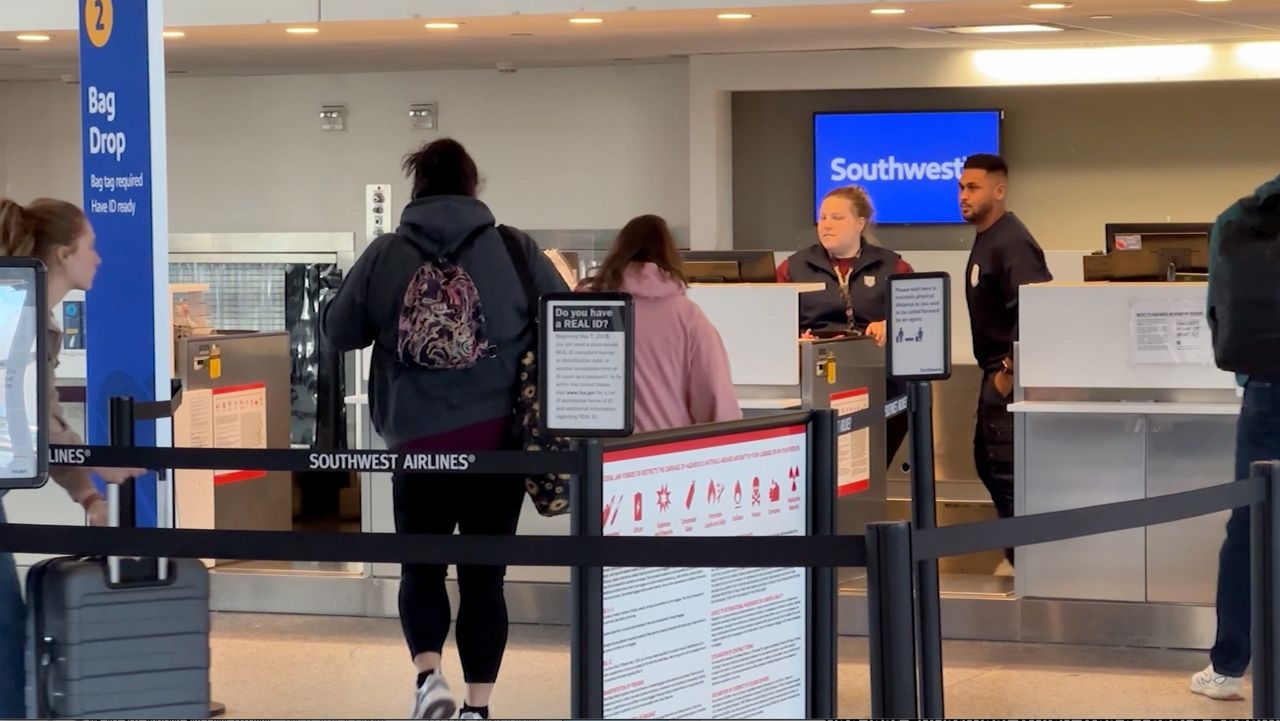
x,y
707,643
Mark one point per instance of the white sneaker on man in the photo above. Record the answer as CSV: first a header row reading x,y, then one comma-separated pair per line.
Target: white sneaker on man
x,y
1216,686
433,699
470,715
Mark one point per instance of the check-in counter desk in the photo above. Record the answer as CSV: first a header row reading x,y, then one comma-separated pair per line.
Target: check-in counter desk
x,y
1110,407
773,371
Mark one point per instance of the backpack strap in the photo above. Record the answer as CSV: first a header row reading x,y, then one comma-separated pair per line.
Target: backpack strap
x,y
520,259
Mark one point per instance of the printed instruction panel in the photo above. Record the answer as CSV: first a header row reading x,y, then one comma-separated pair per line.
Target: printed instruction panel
x,y
918,327
853,447
707,643
586,360
1169,331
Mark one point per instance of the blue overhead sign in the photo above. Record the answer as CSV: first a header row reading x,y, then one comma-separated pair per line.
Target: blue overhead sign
x,y
125,183
910,163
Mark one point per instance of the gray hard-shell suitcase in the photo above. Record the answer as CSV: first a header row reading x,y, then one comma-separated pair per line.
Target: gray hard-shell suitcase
x,y
138,648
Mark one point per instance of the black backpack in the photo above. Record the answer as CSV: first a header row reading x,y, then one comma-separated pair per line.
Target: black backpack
x,y
1244,300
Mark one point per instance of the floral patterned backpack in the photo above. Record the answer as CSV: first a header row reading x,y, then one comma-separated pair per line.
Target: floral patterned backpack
x,y
442,325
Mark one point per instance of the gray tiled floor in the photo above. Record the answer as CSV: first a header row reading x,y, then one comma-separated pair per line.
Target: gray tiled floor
x,y
321,667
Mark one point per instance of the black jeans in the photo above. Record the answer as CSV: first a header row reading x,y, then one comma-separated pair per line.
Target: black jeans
x,y
1257,439
993,448
474,505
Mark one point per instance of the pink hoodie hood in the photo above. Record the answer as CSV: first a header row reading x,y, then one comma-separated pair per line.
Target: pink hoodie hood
x,y
646,280
682,370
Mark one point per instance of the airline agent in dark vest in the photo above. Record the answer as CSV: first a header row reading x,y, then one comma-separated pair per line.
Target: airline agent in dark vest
x,y
856,273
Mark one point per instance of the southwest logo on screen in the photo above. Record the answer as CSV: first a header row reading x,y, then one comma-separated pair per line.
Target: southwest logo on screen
x,y
908,162
890,170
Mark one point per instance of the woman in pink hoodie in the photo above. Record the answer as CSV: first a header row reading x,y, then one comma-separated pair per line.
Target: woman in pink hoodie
x,y
682,369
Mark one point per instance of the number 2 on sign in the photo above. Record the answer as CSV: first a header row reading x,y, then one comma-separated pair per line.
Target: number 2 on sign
x,y
99,16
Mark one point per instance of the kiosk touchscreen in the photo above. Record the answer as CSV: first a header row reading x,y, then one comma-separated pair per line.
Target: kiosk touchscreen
x,y
24,313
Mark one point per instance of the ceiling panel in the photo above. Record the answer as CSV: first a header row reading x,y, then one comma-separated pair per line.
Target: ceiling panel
x,y
539,40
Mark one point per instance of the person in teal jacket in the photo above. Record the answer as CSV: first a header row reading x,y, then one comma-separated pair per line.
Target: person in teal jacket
x,y
1257,439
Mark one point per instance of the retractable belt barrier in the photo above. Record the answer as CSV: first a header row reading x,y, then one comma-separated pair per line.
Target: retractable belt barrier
x,y
893,548
1077,522
216,459
586,551
697,552
592,552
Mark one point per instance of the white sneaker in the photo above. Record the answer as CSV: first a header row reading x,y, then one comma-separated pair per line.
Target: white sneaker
x,y
433,700
1004,569
1216,686
470,715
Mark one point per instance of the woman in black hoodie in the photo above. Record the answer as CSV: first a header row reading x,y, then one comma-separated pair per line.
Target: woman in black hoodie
x,y
457,398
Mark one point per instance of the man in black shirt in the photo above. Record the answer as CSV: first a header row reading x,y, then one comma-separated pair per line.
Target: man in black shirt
x,y
1005,257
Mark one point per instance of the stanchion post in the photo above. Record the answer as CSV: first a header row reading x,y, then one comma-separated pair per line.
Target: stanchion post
x,y
891,614
822,601
1264,521
123,416
587,591
121,421
924,512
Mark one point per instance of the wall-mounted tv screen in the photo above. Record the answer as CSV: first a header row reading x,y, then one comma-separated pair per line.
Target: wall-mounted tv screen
x,y
910,163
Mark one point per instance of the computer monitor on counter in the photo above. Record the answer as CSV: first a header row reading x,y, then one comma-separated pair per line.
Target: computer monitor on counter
x,y
730,266
1151,252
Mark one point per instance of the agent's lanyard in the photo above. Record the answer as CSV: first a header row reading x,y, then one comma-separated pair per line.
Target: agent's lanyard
x,y
842,280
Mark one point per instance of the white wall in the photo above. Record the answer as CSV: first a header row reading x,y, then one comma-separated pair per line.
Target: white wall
x,y
571,148
40,139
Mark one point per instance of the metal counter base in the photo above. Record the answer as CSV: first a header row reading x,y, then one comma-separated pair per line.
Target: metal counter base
x,y
974,608
325,594
984,608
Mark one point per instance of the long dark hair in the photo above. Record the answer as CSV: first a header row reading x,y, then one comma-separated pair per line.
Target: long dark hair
x,y
645,239
442,167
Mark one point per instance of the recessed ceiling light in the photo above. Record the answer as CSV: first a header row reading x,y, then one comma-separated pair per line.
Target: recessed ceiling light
x,y
442,26
888,11
999,29
302,31
34,38
174,34
1047,6
735,16
586,21
1101,17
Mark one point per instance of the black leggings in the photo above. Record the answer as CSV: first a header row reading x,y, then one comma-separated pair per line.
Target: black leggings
x,y
474,505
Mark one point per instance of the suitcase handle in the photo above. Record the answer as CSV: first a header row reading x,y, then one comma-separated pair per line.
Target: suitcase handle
x,y
121,505
135,572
